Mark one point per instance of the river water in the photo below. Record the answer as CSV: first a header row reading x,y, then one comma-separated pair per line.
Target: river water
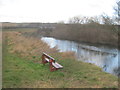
x,y
102,56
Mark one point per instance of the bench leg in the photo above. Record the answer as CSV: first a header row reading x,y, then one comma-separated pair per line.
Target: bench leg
x,y
43,60
52,68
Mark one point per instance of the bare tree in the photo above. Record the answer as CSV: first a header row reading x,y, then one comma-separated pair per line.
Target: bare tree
x,y
76,20
84,20
93,20
107,20
117,12
117,8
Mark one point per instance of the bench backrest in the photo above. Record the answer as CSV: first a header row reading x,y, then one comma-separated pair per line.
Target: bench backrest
x,y
48,57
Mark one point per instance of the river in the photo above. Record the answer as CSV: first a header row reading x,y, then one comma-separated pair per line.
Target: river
x,y
102,56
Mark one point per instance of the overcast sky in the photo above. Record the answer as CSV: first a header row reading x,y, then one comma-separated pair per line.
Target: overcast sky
x,y
52,10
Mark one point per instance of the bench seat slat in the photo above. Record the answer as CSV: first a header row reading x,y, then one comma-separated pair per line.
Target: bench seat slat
x,y
47,59
56,65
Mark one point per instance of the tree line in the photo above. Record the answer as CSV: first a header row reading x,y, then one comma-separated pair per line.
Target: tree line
x,y
101,19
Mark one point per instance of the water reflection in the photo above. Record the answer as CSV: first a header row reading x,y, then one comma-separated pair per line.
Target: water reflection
x,y
104,57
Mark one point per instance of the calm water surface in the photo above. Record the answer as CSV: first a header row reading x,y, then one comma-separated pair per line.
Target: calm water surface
x,y
104,57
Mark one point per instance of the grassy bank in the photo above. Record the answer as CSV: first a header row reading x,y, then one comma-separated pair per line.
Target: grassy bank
x,y
22,67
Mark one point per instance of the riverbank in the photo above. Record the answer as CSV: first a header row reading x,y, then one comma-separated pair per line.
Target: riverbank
x,y
94,34
22,67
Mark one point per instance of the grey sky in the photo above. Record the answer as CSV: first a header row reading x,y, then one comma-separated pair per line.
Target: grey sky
x,y
52,10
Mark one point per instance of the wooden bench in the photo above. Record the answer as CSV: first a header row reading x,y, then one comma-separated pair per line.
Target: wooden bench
x,y
52,63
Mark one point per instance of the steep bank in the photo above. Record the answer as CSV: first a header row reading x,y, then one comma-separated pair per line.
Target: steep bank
x,y
22,67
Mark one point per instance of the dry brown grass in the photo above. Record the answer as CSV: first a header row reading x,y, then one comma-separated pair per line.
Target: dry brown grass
x,y
39,84
27,47
68,55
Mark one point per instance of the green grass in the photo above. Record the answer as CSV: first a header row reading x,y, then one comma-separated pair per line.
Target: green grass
x,y
19,72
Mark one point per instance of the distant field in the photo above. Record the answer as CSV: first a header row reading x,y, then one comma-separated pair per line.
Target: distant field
x,y
21,29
